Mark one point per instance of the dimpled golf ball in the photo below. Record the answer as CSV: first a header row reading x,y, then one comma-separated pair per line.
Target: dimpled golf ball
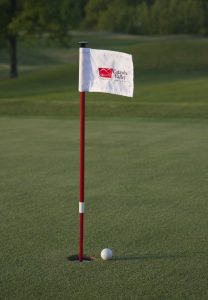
x,y
106,254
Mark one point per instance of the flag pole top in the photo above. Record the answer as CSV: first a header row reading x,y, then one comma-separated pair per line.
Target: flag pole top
x,y
82,44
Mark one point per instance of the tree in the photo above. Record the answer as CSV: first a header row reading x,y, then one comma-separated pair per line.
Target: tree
x,y
118,20
111,15
28,18
143,19
193,16
93,12
78,12
171,17
205,9
7,13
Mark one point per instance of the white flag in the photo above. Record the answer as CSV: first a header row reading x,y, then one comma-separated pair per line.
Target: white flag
x,y
106,71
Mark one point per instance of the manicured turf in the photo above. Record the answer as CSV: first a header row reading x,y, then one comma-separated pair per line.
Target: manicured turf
x,y
146,198
146,182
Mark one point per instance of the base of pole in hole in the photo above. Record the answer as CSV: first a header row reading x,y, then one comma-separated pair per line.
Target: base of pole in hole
x,y
75,258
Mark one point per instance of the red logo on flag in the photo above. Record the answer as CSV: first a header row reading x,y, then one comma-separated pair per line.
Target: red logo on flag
x,y
105,72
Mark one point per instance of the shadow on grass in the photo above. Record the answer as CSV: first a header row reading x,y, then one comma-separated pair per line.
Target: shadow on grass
x,y
158,256
146,257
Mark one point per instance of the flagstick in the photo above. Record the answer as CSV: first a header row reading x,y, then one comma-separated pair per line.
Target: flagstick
x,y
82,157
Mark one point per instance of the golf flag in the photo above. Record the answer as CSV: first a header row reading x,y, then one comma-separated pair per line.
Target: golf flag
x,y
106,71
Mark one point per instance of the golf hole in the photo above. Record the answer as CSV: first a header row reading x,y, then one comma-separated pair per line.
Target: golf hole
x,y
75,258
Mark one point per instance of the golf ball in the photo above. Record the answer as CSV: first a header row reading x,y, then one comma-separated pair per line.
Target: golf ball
x,y
106,254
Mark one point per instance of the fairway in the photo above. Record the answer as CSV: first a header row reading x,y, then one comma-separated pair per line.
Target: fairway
x,y
146,180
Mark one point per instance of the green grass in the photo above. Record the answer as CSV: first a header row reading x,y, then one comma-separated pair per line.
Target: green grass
x,y
170,80
146,176
170,97
146,198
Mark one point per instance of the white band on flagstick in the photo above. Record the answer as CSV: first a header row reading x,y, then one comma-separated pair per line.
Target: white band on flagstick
x,y
81,207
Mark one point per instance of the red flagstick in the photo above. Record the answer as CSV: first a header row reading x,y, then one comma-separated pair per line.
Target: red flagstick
x,y
82,157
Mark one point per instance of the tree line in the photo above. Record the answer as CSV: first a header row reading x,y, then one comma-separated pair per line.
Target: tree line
x,y
148,17
53,19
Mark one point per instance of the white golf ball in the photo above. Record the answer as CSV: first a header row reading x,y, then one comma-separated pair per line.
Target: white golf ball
x,y
106,254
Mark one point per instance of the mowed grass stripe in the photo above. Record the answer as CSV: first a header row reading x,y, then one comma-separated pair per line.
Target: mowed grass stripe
x,y
179,98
